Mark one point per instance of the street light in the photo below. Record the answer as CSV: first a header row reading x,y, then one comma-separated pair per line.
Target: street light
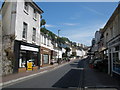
x,y
58,46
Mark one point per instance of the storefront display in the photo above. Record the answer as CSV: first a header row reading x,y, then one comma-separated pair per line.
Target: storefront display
x,y
46,59
27,56
116,60
45,56
26,53
114,55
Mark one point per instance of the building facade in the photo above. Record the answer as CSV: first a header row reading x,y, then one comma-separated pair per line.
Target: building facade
x,y
21,34
46,49
113,42
108,44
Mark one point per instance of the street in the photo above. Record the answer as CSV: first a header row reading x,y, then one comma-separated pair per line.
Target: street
x,y
75,75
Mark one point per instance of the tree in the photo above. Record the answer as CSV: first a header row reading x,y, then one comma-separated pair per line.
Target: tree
x,y
43,22
44,30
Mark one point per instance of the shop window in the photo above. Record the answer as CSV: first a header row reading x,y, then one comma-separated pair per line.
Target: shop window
x,y
32,57
116,62
28,56
45,59
22,60
117,48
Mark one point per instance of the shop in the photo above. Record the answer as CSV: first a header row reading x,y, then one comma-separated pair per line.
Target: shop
x,y
26,53
114,55
53,54
45,56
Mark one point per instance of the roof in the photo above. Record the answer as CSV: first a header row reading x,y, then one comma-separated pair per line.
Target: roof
x,y
37,7
115,13
33,4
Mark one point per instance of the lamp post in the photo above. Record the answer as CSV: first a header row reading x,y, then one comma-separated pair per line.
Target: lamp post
x,y
58,46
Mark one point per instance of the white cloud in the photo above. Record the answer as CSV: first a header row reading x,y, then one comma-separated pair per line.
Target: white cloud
x,y
94,11
48,25
70,24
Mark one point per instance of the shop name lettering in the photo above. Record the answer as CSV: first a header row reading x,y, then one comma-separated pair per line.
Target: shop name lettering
x,y
45,51
117,40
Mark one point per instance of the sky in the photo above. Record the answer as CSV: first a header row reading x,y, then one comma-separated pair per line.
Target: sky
x,y
77,20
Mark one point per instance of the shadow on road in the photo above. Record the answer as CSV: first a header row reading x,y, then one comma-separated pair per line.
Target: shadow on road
x,y
71,79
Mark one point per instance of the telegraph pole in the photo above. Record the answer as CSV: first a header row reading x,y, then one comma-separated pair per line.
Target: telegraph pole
x,y
58,46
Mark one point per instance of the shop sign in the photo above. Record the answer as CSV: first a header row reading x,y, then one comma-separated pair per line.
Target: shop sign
x,y
29,48
115,41
46,51
29,66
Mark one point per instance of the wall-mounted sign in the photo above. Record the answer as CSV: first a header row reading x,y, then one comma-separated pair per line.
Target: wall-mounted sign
x,y
46,51
114,42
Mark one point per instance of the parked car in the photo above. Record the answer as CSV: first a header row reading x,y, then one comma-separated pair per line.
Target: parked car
x,y
97,64
91,63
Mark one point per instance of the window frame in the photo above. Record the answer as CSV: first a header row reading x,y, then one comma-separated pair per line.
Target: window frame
x,y
24,33
26,7
34,35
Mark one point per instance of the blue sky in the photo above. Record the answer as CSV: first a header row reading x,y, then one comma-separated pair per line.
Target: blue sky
x,y
77,20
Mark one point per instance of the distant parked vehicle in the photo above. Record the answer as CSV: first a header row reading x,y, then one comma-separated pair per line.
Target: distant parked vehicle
x,y
97,63
91,63
53,61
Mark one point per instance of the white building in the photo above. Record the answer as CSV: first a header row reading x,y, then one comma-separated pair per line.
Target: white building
x,y
45,49
21,22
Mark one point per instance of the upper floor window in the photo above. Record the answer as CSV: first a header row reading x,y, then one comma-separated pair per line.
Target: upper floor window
x,y
34,35
45,40
41,38
106,35
24,35
26,6
48,42
111,29
117,48
34,14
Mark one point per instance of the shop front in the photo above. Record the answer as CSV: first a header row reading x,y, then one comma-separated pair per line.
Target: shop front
x,y
25,54
45,56
53,54
114,56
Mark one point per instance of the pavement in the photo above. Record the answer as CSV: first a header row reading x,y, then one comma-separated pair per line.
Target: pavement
x,y
75,75
95,78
